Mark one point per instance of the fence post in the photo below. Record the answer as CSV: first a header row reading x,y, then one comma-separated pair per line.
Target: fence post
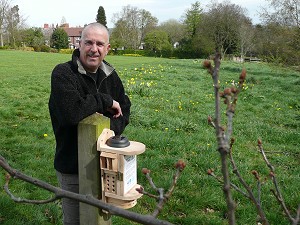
x,y
89,129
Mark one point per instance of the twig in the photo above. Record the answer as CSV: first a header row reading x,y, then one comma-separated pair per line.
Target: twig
x,y
161,197
90,200
211,173
22,200
297,218
251,196
277,192
223,146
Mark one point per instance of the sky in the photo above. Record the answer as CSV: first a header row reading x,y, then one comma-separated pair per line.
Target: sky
x,y
81,12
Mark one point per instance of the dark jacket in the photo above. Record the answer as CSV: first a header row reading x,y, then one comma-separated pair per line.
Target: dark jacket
x,y
75,96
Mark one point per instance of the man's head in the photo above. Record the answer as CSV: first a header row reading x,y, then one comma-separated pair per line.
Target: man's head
x,y
93,46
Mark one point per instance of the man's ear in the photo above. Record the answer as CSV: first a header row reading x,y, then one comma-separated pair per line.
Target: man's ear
x,y
107,49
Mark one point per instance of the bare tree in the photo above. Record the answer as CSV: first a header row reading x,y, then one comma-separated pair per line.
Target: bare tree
x,y
284,15
284,12
222,23
131,25
13,20
174,29
4,6
246,34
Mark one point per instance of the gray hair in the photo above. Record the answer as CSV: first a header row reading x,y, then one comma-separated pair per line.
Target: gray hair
x,y
94,25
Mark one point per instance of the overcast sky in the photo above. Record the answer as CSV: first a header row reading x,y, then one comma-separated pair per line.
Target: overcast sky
x,y
80,12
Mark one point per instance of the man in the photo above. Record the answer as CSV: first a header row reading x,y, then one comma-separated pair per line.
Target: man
x,y
79,88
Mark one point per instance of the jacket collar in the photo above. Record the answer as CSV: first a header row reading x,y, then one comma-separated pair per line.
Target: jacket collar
x,y
104,66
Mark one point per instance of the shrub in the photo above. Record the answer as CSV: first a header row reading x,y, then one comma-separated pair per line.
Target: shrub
x,y
30,49
45,48
135,55
66,51
37,48
53,50
4,47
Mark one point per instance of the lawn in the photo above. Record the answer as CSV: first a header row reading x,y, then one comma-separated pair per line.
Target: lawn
x,y
171,99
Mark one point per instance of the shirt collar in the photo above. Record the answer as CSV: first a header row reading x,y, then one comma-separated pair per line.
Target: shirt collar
x,y
107,69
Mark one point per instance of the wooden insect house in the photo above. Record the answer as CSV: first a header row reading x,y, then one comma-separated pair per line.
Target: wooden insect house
x,y
118,168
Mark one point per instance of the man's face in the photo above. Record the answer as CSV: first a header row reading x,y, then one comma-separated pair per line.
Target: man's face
x,y
93,48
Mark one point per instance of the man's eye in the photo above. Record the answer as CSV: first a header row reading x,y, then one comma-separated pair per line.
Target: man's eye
x,y
88,43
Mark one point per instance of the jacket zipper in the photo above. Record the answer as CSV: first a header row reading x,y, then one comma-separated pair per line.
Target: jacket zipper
x,y
106,76
100,84
97,88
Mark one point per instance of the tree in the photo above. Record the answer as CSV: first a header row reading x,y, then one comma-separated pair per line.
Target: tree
x,y
146,23
131,26
174,29
194,43
13,20
246,36
275,43
59,39
223,23
282,18
4,6
192,19
33,37
101,17
157,41
284,12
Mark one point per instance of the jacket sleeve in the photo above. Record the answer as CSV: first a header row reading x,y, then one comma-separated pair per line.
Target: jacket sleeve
x,y
118,124
67,103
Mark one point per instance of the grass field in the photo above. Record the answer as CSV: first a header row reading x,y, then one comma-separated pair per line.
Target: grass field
x,y
171,100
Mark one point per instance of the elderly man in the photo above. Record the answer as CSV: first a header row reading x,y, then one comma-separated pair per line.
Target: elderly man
x,y
80,87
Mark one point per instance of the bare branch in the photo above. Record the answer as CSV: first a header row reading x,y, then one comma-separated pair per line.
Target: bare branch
x,y
223,146
225,143
297,218
161,197
251,196
20,200
59,193
211,173
276,192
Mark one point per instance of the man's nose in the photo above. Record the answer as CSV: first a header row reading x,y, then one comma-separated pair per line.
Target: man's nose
x,y
94,47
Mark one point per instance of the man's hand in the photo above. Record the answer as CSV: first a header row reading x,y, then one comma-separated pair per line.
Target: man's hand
x,y
115,109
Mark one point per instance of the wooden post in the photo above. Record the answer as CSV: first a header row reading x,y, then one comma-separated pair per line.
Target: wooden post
x,y
89,129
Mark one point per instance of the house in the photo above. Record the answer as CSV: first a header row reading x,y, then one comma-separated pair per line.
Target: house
x,y
74,33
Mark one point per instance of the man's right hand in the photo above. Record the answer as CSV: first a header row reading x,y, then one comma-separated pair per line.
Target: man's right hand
x,y
115,109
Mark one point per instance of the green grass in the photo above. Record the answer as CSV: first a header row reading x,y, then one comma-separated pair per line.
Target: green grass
x,y
171,100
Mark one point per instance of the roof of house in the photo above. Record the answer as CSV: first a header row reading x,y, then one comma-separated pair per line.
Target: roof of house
x,y
73,31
